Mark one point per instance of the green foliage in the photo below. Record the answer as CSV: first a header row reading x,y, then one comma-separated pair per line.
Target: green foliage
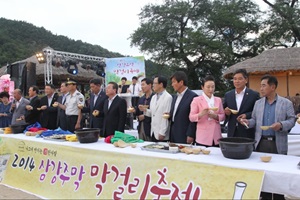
x,y
20,40
282,25
200,37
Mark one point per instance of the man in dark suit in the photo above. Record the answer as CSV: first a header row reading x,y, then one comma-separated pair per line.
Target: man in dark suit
x,y
48,111
96,105
241,99
144,127
115,111
182,129
61,114
32,114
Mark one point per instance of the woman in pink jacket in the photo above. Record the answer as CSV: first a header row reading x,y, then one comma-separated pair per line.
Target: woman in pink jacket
x,y
208,111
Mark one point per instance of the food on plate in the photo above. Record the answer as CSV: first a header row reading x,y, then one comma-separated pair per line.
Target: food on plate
x,y
265,158
158,146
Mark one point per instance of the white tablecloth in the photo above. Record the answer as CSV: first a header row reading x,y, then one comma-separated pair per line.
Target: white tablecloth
x,y
281,174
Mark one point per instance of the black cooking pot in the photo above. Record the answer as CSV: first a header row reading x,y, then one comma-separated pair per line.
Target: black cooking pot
x,y
18,128
237,147
88,135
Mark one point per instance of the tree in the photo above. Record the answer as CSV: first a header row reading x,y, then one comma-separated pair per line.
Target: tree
x,y
201,36
282,26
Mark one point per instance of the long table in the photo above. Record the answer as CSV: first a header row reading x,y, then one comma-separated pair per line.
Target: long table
x,y
281,175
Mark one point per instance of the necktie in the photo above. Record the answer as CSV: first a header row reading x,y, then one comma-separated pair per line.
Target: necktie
x,y
133,89
95,99
64,100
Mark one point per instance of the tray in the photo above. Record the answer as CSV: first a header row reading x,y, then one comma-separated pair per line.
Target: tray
x,y
164,148
57,138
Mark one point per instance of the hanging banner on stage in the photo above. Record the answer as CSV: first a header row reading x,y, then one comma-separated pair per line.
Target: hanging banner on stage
x,y
61,171
116,68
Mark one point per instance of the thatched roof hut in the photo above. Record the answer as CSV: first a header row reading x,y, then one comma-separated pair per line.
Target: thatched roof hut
x,y
283,63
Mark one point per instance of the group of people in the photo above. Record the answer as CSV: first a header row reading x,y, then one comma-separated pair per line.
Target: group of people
x,y
182,118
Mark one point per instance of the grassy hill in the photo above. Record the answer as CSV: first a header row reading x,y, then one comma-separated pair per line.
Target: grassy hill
x,y
19,40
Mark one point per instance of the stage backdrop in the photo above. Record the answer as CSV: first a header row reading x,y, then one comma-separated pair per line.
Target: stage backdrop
x,y
116,68
58,171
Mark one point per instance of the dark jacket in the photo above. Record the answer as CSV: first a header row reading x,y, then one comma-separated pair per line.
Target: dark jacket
x,y
61,115
49,116
32,116
96,122
249,99
115,116
182,127
147,121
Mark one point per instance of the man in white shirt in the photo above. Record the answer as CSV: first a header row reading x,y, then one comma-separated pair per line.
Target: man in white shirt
x,y
241,99
160,105
74,104
134,89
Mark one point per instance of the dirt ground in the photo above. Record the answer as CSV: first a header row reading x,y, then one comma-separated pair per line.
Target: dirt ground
x,y
10,193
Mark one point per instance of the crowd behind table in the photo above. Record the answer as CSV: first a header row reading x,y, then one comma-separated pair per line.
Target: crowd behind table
x,y
181,118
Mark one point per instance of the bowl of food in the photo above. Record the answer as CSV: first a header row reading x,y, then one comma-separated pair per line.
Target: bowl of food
x,y
213,108
130,109
298,120
88,135
80,106
265,127
196,150
206,151
266,158
237,147
95,113
166,116
234,111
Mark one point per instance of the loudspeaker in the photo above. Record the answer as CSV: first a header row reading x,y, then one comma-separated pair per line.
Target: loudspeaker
x,y
23,74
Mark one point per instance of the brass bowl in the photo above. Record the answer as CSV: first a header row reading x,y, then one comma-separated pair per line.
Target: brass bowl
x,y
166,116
206,151
264,127
265,158
213,108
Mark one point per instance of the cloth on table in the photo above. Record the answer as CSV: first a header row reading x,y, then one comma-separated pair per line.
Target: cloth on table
x,y
57,131
35,125
125,137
